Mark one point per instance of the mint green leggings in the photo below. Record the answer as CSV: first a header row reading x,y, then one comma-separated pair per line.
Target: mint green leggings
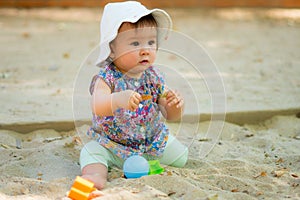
x,y
175,154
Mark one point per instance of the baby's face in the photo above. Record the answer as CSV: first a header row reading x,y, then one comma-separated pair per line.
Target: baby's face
x,y
134,49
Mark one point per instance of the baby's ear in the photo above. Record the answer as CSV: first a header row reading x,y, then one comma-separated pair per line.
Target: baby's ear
x,y
112,54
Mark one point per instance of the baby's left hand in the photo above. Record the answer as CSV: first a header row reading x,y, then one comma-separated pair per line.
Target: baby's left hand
x,y
173,98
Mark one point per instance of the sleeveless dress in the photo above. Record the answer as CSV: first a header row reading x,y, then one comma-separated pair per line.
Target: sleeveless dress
x,y
128,133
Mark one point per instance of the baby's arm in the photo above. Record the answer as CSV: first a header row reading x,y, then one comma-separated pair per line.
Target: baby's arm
x,y
104,103
171,104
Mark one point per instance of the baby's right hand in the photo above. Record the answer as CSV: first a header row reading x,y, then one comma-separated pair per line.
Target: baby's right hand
x,y
128,99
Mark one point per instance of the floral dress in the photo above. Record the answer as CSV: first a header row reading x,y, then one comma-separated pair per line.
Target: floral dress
x,y
128,132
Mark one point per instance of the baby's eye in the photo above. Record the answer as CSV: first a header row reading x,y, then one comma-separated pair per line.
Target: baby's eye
x,y
135,44
151,42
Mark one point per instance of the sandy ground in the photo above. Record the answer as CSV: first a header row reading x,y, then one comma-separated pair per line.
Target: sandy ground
x,y
249,162
257,155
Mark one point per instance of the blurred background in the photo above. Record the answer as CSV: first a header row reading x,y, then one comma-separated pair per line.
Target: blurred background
x,y
253,43
154,3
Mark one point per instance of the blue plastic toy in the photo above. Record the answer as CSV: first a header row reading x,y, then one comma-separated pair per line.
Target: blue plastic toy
x,y
135,167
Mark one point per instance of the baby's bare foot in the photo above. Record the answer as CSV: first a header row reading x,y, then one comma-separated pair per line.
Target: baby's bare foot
x,y
98,180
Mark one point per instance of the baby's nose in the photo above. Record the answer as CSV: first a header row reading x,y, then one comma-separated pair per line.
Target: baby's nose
x,y
144,51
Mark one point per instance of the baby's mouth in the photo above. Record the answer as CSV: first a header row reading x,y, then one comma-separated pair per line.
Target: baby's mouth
x,y
144,62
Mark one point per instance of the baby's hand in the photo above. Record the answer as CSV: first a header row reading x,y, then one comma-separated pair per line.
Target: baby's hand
x,y
128,99
173,98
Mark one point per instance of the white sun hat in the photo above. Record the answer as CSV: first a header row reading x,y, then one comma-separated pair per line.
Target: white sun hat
x,y
114,14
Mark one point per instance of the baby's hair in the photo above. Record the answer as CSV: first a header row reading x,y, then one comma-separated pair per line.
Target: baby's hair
x,y
147,20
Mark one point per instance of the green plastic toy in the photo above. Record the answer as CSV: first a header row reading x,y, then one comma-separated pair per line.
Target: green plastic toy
x,y
154,167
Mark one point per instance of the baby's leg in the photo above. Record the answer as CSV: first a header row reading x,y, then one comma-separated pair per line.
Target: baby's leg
x,y
93,161
97,173
175,154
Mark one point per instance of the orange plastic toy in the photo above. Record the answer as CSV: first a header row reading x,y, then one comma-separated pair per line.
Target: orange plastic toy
x,y
81,189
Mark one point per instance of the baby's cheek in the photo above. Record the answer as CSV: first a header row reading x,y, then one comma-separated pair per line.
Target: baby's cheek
x,y
131,59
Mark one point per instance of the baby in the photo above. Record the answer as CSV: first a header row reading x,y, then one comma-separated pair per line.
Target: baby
x,y
129,93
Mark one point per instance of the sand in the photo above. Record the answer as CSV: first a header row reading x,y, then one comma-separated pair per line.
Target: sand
x,y
255,153
249,162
